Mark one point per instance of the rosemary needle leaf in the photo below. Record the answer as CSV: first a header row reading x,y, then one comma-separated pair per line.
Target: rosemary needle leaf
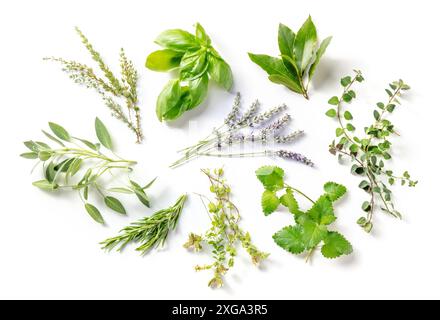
x,y
150,231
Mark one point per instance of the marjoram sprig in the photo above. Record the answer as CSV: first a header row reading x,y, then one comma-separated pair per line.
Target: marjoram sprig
x,y
75,156
110,88
224,234
241,129
370,153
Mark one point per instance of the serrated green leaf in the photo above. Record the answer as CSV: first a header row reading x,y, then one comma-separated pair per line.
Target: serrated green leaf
x,y
114,204
335,245
271,177
103,134
290,239
59,131
269,202
288,200
313,234
334,190
322,211
94,213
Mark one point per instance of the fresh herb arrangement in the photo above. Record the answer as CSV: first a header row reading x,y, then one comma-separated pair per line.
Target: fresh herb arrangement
x,y
249,127
75,155
369,153
150,232
111,89
311,228
196,61
224,234
300,55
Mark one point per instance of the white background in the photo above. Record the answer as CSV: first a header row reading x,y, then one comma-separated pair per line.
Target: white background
x,y
49,244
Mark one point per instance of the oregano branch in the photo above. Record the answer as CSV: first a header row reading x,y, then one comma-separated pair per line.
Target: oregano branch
x,y
370,153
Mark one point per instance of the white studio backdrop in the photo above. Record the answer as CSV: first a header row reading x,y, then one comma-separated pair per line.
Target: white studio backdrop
x,y
50,246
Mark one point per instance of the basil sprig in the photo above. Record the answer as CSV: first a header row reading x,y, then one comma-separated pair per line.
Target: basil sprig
x,y
196,62
300,54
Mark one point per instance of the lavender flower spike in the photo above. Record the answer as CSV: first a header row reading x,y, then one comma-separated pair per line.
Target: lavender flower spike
x,y
275,126
232,116
294,156
290,137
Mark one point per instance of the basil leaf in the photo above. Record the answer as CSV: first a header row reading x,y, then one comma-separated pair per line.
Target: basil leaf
x,y
115,205
178,40
319,54
220,72
103,134
59,131
269,64
198,89
163,60
193,65
201,35
168,98
94,213
286,81
305,44
286,40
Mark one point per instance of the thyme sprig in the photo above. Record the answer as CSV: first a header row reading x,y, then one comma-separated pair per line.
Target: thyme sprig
x,y
150,232
240,129
110,88
224,234
61,165
370,153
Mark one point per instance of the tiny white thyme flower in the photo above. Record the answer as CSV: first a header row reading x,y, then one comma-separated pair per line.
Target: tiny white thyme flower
x,y
260,128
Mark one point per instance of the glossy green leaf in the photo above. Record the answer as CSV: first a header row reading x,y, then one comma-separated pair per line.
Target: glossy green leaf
x,y
201,34
331,113
198,90
168,100
285,81
334,101
220,72
305,44
193,64
286,40
178,40
103,134
322,48
273,66
163,60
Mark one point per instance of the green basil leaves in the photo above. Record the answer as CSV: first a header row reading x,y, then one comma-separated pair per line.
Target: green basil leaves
x,y
196,61
300,54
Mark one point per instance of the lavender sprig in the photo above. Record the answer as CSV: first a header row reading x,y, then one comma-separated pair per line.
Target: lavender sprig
x,y
237,130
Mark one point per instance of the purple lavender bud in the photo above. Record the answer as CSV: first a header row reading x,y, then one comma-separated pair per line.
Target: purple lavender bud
x,y
275,126
289,138
294,156
231,118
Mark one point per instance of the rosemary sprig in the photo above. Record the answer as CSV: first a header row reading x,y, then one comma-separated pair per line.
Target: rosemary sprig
x,y
111,88
224,233
250,127
75,155
370,153
150,232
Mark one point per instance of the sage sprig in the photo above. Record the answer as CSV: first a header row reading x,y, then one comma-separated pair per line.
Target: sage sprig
x,y
196,61
311,226
370,153
110,88
300,55
249,127
224,234
150,232
77,157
